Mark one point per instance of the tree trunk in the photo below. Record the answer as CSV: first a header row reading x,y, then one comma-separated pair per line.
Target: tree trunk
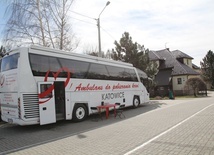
x,y
41,24
195,93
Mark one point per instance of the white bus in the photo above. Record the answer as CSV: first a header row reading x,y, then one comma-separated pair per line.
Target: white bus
x,y
40,85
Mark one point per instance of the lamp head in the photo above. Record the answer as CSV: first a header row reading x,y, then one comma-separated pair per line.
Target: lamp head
x,y
107,3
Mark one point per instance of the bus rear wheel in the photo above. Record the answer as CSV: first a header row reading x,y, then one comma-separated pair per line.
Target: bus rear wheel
x,y
79,113
136,101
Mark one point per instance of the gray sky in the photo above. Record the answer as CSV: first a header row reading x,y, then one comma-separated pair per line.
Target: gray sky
x,y
186,25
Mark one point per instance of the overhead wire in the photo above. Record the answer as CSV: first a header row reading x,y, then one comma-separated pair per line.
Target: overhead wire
x,y
108,33
82,15
90,22
83,21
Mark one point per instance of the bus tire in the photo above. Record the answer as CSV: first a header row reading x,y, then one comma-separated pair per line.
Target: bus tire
x,y
136,101
79,113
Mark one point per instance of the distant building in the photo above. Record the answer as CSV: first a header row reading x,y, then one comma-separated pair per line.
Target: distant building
x,y
174,69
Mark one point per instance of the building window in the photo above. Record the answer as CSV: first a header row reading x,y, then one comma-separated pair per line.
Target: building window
x,y
179,80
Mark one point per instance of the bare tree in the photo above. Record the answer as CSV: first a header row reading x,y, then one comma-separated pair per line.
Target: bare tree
x,y
42,22
195,84
90,50
65,39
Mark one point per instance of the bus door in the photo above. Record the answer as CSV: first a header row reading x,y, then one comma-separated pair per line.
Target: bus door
x,y
47,109
51,101
59,93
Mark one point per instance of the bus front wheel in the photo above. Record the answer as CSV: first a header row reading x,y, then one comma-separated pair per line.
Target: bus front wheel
x,y
136,101
79,113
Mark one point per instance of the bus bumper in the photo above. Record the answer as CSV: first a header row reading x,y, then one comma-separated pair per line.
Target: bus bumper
x,y
19,121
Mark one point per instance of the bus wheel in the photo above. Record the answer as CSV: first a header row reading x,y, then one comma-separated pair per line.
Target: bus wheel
x,y
136,101
79,113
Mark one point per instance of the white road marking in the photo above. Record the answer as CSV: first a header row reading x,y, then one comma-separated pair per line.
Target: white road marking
x,y
163,133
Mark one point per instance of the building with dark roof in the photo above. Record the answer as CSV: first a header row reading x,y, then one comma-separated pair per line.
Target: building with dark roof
x,y
174,69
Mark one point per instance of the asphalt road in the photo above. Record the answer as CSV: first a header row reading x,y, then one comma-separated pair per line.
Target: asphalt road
x,y
156,125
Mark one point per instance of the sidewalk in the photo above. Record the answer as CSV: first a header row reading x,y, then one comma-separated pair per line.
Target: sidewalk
x,y
119,138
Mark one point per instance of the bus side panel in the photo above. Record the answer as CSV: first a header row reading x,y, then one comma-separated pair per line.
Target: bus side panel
x,y
29,85
119,96
78,98
68,106
9,107
146,94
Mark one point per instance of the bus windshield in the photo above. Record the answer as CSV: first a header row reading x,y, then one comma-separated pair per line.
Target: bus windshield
x,y
9,62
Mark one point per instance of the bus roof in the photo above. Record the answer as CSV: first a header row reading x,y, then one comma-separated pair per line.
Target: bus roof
x,y
35,47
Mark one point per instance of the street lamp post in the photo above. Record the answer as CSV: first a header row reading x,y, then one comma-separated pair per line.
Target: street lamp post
x,y
98,26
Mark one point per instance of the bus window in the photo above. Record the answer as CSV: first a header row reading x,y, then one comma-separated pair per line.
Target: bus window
x,y
125,75
9,62
121,74
78,68
132,74
98,71
45,63
43,88
115,73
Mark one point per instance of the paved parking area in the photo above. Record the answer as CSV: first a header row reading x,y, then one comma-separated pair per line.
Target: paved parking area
x,y
193,136
185,127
